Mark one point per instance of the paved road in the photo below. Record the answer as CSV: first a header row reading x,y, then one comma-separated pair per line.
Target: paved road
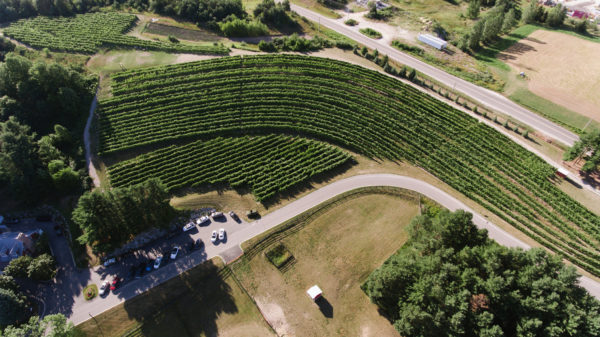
x,y
239,233
87,144
486,97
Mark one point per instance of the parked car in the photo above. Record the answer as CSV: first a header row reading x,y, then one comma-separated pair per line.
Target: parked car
x,y
104,288
189,226
140,269
110,261
234,216
216,214
199,244
158,261
58,230
213,237
149,265
174,252
202,220
221,234
115,283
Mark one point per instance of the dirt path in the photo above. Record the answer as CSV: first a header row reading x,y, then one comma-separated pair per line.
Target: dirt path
x,y
86,141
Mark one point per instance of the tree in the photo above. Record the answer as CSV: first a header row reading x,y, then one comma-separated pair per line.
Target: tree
x,y
210,12
19,163
557,15
273,13
450,280
109,219
51,326
42,268
8,282
13,307
411,74
581,26
493,24
475,35
588,148
473,9
18,267
531,13
509,20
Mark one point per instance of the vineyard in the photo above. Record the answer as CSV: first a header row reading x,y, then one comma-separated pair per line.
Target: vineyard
x,y
86,33
357,109
268,164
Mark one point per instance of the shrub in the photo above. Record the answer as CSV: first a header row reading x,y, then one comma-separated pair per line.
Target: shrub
x,y
8,282
279,255
242,28
372,33
351,22
90,292
364,51
173,39
42,268
267,46
403,71
18,267
411,49
412,75
344,45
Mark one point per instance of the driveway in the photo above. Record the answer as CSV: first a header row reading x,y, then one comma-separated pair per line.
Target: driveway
x,y
239,232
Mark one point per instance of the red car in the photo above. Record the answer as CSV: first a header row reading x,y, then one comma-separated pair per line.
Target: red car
x,y
115,283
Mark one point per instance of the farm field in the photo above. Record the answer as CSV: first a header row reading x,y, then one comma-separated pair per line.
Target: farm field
x,y
267,164
179,307
87,33
336,249
379,117
556,72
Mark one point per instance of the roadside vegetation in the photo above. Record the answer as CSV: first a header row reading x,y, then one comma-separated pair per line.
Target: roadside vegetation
x,y
370,32
450,277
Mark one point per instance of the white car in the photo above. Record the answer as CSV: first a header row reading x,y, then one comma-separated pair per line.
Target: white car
x,y
202,220
174,252
188,226
104,288
216,214
158,261
213,237
110,261
221,234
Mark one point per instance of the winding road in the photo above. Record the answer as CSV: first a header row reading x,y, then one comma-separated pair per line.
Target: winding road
x,y
486,97
231,249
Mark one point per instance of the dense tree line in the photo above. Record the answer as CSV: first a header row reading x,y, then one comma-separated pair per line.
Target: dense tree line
x,y
5,47
108,219
588,149
40,103
50,326
449,279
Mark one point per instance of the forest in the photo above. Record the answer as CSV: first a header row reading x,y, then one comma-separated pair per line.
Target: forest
x,y
450,279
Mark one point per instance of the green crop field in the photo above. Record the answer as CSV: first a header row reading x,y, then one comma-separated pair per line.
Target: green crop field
x,y
268,164
86,33
357,109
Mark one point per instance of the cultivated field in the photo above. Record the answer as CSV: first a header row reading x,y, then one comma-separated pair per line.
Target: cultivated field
x,y
379,117
561,68
337,251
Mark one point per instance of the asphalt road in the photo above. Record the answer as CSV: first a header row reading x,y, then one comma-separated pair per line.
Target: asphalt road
x,y
240,232
484,96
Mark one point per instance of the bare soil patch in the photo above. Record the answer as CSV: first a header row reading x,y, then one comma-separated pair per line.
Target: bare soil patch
x,y
561,68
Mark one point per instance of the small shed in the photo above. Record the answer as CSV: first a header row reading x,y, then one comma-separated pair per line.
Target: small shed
x,y
433,41
314,292
562,172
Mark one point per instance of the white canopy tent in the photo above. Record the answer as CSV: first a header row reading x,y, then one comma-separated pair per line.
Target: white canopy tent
x,y
314,292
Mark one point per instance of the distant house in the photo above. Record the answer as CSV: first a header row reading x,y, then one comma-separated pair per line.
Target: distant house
x,y
579,14
15,244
